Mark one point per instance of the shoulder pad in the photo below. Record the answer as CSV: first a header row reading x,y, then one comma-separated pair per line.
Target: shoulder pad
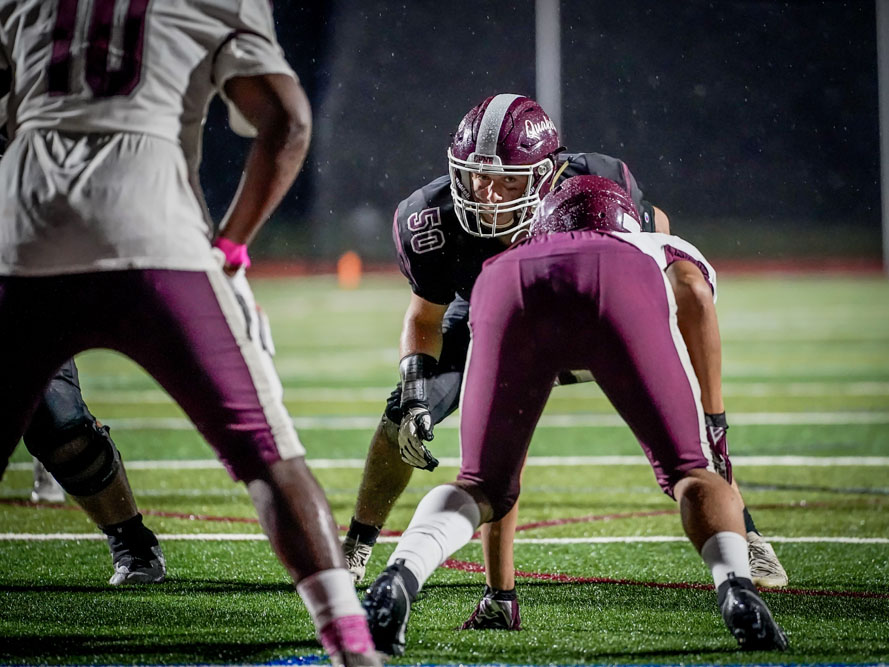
x,y
599,164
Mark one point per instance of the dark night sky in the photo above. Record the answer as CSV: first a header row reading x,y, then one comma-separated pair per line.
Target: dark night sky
x,y
733,115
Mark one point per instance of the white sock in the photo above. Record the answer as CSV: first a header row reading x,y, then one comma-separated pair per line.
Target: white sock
x,y
444,521
724,553
329,594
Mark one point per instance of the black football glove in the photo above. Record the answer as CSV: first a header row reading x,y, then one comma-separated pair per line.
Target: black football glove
x,y
716,427
416,421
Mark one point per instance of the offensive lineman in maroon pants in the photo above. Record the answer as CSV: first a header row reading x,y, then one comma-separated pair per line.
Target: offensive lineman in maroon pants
x,y
587,290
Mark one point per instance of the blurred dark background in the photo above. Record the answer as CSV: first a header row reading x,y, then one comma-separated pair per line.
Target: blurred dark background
x,y
754,124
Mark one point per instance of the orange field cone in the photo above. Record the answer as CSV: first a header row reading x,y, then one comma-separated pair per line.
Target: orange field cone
x,y
348,270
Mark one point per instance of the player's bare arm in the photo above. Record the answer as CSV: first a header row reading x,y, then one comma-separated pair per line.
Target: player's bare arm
x,y
661,221
696,316
277,107
421,331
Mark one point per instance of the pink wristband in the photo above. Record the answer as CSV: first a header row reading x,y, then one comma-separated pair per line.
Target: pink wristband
x,y
235,253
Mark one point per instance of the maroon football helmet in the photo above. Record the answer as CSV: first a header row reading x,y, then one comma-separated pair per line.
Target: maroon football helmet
x,y
504,135
586,202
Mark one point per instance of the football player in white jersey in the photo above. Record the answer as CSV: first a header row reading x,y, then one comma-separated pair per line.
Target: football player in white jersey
x,y
105,241
62,424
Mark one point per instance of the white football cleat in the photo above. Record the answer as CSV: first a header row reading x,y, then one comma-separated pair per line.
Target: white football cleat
x,y
493,614
46,489
357,554
765,568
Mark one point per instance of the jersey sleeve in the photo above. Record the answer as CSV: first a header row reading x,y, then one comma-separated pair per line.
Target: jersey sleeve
x,y
676,249
250,49
248,54
665,249
422,251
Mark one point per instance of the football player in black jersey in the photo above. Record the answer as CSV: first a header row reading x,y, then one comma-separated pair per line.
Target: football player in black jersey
x,y
503,158
67,439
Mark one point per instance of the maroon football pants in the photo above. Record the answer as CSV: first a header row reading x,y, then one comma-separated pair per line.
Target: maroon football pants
x,y
559,304
188,329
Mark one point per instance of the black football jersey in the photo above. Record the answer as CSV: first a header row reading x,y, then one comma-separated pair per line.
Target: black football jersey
x,y
596,164
440,260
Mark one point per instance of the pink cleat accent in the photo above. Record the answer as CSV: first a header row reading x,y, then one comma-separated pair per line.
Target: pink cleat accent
x,y
347,634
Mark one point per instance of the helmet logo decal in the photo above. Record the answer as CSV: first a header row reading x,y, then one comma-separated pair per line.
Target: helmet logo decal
x,y
534,130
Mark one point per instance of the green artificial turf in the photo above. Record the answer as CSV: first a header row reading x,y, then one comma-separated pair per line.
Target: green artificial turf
x,y
817,348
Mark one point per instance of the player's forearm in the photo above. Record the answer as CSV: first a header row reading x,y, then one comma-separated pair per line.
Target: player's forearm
x,y
277,106
421,330
421,338
273,163
702,341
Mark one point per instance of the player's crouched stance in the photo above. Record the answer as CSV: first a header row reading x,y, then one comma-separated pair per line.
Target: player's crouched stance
x,y
74,453
573,297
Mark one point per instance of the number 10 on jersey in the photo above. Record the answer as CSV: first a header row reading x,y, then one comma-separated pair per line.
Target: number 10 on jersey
x,y
112,50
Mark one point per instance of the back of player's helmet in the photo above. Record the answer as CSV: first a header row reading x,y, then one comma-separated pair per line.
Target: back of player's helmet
x,y
586,202
506,135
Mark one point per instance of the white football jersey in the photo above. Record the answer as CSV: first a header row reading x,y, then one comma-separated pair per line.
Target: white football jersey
x,y
663,249
105,116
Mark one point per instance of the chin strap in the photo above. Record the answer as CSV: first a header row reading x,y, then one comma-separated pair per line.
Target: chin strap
x,y
520,235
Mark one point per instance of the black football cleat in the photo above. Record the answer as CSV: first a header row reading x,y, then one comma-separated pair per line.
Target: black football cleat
x,y
493,613
388,607
748,618
136,555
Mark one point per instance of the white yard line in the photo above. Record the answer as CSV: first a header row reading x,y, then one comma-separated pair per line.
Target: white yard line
x,y
346,395
368,423
259,537
536,461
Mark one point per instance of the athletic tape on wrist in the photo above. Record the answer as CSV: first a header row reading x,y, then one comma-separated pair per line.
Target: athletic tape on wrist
x,y
235,253
415,368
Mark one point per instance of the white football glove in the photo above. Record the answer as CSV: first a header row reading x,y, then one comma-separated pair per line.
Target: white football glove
x,y
415,429
257,329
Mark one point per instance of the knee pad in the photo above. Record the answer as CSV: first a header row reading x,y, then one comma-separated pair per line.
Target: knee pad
x,y
61,414
85,463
